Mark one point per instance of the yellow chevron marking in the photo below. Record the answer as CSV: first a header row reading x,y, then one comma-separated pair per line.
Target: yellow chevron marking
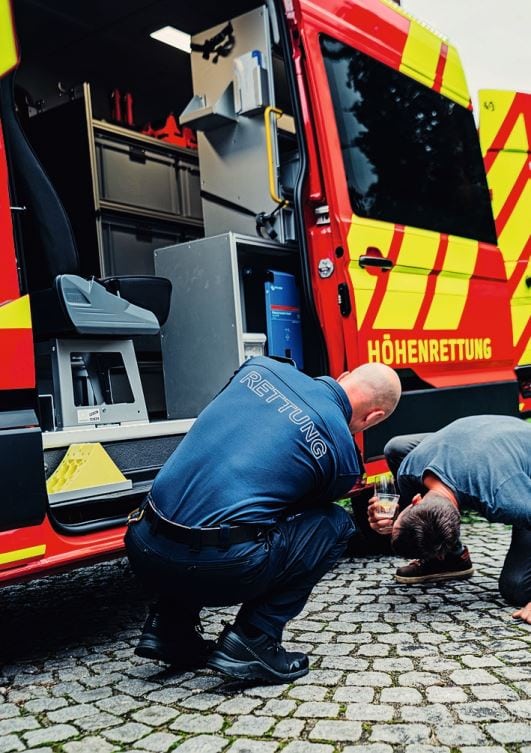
x,y
406,286
16,314
8,45
451,288
421,54
515,234
493,108
502,176
521,309
362,234
22,554
454,83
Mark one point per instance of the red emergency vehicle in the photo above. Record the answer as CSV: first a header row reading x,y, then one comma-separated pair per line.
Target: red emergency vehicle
x,y
335,210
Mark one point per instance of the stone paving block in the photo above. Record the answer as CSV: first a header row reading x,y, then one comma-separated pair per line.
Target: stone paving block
x,y
154,715
198,723
395,664
460,734
485,749
400,734
510,732
253,746
354,694
445,694
158,742
374,679
239,705
251,725
309,693
277,707
400,695
481,711
301,746
430,713
369,712
476,662
89,744
497,692
71,713
10,743
54,734
368,748
203,744
317,709
129,732
418,679
9,710
287,728
472,677
327,677
201,701
520,708
336,730
98,721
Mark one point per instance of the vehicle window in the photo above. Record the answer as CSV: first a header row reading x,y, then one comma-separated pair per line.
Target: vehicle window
x,y
411,155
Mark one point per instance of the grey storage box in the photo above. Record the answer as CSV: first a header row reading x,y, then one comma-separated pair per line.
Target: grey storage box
x,y
129,243
137,176
190,190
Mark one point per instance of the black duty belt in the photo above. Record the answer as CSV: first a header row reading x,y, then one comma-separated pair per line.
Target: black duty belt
x,y
223,536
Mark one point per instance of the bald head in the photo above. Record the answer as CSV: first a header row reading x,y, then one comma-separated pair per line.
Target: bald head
x,y
373,390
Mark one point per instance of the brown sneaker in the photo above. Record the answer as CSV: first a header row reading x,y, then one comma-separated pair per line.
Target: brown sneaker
x,y
424,571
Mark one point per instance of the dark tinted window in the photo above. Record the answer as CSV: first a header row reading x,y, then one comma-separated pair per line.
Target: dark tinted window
x,y
411,155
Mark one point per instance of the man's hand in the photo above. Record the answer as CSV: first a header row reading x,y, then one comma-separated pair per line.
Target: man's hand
x,y
381,525
524,613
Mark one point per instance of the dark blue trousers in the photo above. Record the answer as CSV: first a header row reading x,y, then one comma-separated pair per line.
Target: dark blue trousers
x,y
271,578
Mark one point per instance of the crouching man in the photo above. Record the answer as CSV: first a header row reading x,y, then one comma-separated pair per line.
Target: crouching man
x,y
480,463
241,513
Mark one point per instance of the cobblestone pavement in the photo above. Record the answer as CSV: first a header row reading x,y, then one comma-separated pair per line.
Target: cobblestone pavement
x,y
429,669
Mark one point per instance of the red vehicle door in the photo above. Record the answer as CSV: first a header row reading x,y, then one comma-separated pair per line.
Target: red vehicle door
x,y
420,282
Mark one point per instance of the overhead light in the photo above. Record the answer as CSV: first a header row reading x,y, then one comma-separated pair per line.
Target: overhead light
x,y
172,36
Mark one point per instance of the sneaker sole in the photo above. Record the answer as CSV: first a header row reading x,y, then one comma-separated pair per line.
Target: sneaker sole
x,y
434,577
252,670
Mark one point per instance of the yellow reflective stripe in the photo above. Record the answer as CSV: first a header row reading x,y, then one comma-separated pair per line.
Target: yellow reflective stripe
x,y
454,83
22,554
8,44
521,308
451,288
502,176
421,54
515,234
493,108
16,314
406,286
362,234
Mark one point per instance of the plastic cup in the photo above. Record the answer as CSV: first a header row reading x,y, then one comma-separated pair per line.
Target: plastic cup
x,y
387,506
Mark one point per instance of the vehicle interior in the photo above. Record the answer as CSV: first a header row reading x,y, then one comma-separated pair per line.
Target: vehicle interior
x,y
156,258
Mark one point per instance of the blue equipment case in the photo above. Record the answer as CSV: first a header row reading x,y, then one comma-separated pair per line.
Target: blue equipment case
x,y
283,316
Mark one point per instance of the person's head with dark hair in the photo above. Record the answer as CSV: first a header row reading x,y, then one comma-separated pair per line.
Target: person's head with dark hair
x,y
427,529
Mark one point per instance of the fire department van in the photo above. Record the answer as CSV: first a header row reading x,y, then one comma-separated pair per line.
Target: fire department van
x,y
316,192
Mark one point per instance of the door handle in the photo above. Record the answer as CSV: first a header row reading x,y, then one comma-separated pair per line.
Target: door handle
x,y
375,261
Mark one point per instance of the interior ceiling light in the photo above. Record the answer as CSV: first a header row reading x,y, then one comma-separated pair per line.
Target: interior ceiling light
x,y
172,36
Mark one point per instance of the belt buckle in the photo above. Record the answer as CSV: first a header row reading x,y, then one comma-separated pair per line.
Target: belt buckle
x,y
136,515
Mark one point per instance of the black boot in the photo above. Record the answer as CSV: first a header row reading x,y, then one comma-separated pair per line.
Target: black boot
x,y
181,645
261,658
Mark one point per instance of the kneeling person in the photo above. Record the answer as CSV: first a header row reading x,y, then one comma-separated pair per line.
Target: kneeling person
x,y
481,463
241,513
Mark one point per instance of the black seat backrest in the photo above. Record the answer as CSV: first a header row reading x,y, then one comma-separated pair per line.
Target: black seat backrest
x,y
49,244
